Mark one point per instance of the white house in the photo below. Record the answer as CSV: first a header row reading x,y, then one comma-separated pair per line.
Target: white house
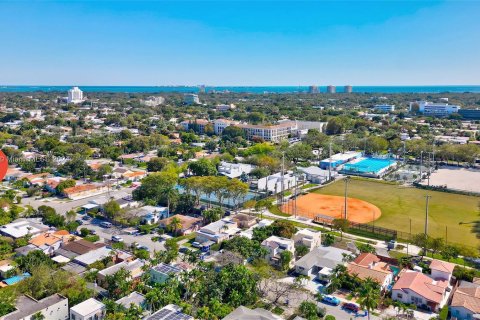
x,y
414,287
441,270
308,237
320,262
275,246
217,231
274,182
150,214
90,309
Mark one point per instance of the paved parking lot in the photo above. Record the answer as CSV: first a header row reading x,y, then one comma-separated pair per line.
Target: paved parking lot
x,y
107,233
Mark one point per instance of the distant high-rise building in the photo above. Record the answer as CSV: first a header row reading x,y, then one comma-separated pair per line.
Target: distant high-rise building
x,y
191,98
331,89
347,89
75,95
313,89
153,101
201,89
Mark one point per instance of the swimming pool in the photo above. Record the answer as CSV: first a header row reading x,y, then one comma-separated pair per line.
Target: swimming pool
x,y
368,166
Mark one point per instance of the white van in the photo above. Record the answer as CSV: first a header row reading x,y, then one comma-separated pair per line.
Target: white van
x,y
105,224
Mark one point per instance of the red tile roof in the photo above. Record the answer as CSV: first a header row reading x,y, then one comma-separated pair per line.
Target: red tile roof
x,y
443,266
422,284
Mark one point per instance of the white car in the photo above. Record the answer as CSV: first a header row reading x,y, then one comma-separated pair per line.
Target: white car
x,y
117,239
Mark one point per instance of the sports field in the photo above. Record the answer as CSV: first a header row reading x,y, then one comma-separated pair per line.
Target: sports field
x,y
400,204
313,204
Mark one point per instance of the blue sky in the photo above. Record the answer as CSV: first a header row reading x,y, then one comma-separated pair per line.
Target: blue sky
x,y
239,42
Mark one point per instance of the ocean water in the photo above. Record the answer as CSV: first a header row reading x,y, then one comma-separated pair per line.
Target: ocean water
x,y
247,89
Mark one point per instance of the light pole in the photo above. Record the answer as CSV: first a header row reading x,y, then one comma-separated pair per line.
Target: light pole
x,y
346,180
427,197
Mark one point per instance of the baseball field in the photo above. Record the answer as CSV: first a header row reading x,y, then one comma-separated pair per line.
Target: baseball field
x,y
450,215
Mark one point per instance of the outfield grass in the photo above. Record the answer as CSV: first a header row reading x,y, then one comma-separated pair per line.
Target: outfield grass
x,y
400,204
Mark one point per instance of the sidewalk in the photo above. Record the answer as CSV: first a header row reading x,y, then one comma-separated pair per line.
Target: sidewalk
x,y
412,250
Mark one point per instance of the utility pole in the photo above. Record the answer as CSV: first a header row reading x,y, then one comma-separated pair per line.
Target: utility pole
x,y
346,180
283,177
421,164
330,161
427,197
404,159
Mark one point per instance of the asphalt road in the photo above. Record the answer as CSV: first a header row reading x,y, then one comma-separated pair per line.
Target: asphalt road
x,y
64,205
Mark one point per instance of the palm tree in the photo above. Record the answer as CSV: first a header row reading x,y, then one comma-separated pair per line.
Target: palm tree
x,y
369,295
169,192
175,225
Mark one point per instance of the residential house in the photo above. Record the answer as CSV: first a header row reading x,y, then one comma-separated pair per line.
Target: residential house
x,y
465,302
441,270
413,287
102,253
275,246
320,262
76,248
161,272
150,214
368,265
6,266
308,237
49,242
244,221
85,190
134,298
244,313
217,231
188,224
90,309
169,312
22,227
135,175
134,267
54,307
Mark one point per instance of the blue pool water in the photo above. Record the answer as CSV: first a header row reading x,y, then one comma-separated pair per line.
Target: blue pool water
x,y
15,279
368,165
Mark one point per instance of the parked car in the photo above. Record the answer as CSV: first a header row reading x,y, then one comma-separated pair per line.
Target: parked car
x,y
117,239
331,300
80,222
91,231
351,307
183,250
143,248
105,224
196,244
85,218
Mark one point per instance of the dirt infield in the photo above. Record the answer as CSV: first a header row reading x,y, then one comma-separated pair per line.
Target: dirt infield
x,y
314,204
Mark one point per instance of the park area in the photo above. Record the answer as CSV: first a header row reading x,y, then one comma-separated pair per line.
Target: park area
x,y
450,214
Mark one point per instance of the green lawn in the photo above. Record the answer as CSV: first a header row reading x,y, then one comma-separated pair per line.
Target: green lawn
x,y
400,204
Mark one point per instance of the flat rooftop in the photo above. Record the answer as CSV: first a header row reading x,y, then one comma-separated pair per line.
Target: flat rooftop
x,y
27,306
